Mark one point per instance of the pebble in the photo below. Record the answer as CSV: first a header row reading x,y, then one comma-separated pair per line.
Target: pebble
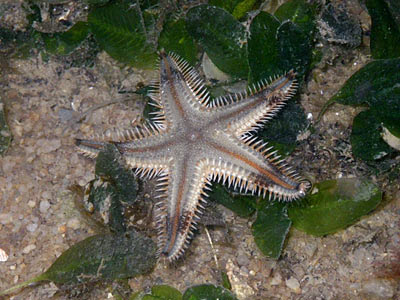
x,y
47,146
73,224
8,166
44,206
62,229
32,227
28,248
243,260
3,255
298,271
277,279
293,284
46,195
310,248
378,288
31,203
5,219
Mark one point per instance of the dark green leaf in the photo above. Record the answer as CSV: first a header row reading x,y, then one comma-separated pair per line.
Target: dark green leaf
x,y
96,2
17,44
282,131
270,228
385,33
113,187
221,36
103,256
66,42
375,85
103,203
366,140
336,205
238,8
394,7
225,281
109,166
229,5
264,58
295,35
299,12
122,31
242,205
276,48
367,84
175,38
242,8
208,292
387,110
5,133
163,292
295,48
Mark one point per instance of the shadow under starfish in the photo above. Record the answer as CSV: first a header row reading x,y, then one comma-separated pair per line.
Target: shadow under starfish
x,y
193,140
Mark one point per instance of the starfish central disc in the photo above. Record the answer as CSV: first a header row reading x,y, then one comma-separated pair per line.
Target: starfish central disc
x,y
193,140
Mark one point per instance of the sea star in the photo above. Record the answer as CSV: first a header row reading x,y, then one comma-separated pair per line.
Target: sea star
x,y
193,140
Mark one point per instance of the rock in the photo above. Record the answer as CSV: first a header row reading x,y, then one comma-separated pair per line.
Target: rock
x,y
293,284
46,195
277,279
243,260
32,227
74,224
378,289
44,206
47,146
337,26
6,219
28,248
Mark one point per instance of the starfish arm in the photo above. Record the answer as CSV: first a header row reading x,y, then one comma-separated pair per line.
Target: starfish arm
x,y
140,142
182,89
251,166
248,111
181,205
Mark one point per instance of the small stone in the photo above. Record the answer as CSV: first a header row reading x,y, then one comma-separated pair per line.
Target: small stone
x,y
243,260
298,271
44,206
277,279
337,26
65,114
32,227
310,248
293,284
378,288
48,146
3,255
8,166
29,248
62,229
73,224
31,203
5,219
